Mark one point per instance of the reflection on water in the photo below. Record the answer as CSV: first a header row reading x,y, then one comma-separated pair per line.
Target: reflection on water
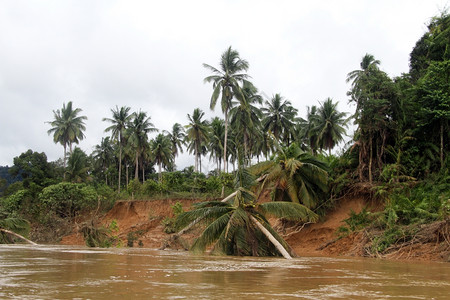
x,y
64,272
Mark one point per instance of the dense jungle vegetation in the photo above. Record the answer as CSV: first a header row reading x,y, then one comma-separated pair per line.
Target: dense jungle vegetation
x,y
398,154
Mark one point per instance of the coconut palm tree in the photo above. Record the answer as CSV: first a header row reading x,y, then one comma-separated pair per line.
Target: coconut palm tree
x,y
245,117
294,175
104,155
197,133
120,118
330,125
226,82
177,139
279,117
67,127
215,146
138,130
161,151
239,225
77,169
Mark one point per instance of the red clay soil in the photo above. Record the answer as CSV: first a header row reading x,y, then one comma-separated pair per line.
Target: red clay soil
x,y
317,239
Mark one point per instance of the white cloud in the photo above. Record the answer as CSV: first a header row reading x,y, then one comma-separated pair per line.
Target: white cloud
x,y
148,55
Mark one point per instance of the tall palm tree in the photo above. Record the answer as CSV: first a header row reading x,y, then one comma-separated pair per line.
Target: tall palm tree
x,y
246,116
138,130
177,139
365,92
330,125
226,82
197,133
279,117
120,118
161,152
67,127
294,175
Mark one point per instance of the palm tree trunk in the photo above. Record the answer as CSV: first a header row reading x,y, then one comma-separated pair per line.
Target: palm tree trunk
x,y
159,175
225,160
442,144
120,167
370,158
64,159
271,238
136,171
196,160
18,235
126,173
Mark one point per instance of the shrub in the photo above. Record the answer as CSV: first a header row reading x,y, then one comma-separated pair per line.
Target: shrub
x,y
68,199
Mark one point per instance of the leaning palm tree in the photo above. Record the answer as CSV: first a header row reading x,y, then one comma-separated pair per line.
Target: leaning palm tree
x,y
67,127
120,118
138,130
12,227
294,175
239,226
331,125
161,152
226,82
197,133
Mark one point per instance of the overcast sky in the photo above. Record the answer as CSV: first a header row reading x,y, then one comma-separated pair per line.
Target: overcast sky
x,y
148,55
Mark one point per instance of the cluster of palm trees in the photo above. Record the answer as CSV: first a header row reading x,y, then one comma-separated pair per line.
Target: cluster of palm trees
x,y
250,129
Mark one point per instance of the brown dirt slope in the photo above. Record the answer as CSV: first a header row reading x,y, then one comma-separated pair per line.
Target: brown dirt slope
x,y
319,239
142,217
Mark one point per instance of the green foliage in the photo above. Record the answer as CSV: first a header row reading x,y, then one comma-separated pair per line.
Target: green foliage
x,y
68,199
169,223
100,236
134,187
358,221
13,203
12,222
34,169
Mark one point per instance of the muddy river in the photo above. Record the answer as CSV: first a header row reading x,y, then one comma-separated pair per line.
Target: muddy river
x,y
66,272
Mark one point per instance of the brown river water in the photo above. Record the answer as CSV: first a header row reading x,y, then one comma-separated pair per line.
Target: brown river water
x,y
66,272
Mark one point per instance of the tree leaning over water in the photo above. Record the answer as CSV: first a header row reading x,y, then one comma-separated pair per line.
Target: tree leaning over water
x,y
67,127
239,225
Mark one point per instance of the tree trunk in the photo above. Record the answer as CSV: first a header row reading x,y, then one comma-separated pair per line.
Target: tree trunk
x,y
120,167
271,238
442,144
159,175
225,160
196,160
126,173
136,171
18,235
370,158
64,159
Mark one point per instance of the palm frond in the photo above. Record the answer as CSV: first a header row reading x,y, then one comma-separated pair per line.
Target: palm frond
x,y
288,210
